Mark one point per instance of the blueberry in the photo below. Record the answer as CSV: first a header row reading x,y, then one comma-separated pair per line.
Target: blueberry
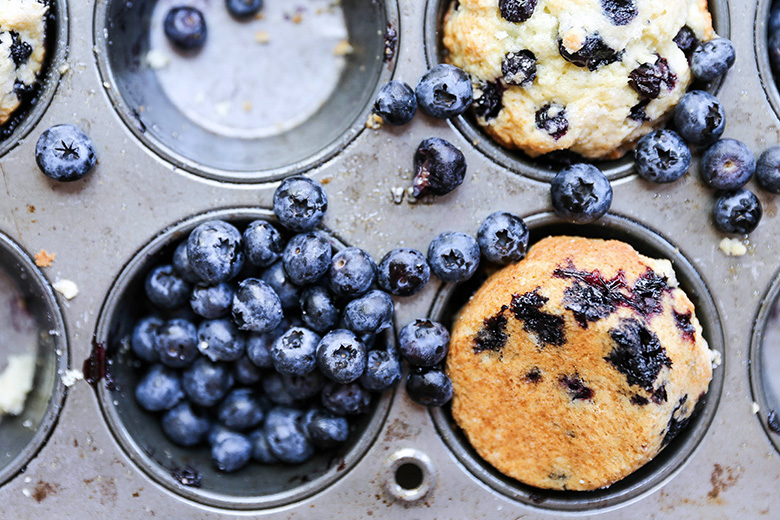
x,y
20,50
444,91
300,203
351,399
231,452
261,452
143,339
318,309
727,165
503,238
712,59
519,68
662,156
699,118
341,356
215,251
581,193
439,168
246,372
488,99
325,430
211,301
243,8
686,41
206,383
240,410
424,342
217,432
383,370
160,389
371,313
773,48
258,349
593,54
177,343
768,169
396,103
620,12
181,264
263,244
516,11
552,119
773,23
184,425
649,78
165,288
286,440
256,306
403,272
429,387
185,27
277,279
737,212
276,389
294,351
219,340
453,256
307,257
65,153
304,386
351,273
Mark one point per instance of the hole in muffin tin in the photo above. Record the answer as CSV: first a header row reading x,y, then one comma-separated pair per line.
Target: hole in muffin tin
x,y
540,168
24,119
140,434
760,36
32,325
671,459
240,110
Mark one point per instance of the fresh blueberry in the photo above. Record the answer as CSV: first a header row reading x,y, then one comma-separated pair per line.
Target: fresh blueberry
x,y
261,452
256,306
516,11
165,288
773,23
383,370
307,257
258,348
231,452
240,410
768,169
453,256
699,118
439,168
276,389
185,27
215,251
246,372
519,68
712,59
65,153
277,279
429,386
350,399
662,156
160,389
219,340
737,212
341,356
243,8
217,432
263,244
213,301
300,203
351,273
325,430
581,193
294,351
444,91
206,383
503,238
318,309
396,103
424,342
305,386
143,339
181,264
184,425
403,272
727,165
371,313
286,440
177,343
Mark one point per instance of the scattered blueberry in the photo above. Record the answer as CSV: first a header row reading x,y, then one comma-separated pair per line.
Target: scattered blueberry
x,y
768,168
403,272
185,27
261,452
444,91
396,103
307,257
737,212
503,238
383,370
699,118
160,389
306,386
351,273
318,309
519,68
439,168
177,343
712,59
662,156
219,340
213,301
206,383
256,306
341,356
424,342
184,425
181,264
429,387
240,410
516,11
453,256
326,430
144,339
246,372
275,388
231,452
300,203
65,153
349,399
263,244
243,8
581,193
294,351
258,348
371,313
276,277
286,440
215,251
165,288
727,165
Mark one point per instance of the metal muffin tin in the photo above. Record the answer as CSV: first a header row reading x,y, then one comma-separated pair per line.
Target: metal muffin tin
x,y
411,462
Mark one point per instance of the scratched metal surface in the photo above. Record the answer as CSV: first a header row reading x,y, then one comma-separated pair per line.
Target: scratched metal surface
x,y
95,227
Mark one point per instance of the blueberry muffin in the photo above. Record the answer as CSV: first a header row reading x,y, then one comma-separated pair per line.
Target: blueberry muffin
x,y
588,76
22,34
576,366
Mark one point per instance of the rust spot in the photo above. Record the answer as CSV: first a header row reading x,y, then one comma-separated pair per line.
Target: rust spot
x,y
399,431
30,208
75,442
342,465
95,367
136,494
722,478
43,490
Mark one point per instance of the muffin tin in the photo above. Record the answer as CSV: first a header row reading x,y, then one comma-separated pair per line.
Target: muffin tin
x,y
153,182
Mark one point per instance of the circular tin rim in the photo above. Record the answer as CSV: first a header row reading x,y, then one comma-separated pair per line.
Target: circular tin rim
x,y
150,466
57,399
765,73
526,166
616,495
50,82
181,162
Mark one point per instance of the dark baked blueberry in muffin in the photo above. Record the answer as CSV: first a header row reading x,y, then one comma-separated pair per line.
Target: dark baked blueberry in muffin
x,y
519,67
492,336
686,40
20,50
638,112
620,12
593,54
575,387
637,354
517,10
489,100
647,79
552,119
737,212
547,327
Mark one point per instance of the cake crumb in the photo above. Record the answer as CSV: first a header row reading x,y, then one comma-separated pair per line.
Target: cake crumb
x,y
223,108
157,59
247,106
500,35
755,408
297,18
67,288
715,358
732,247
64,68
70,377
260,15
44,259
343,48
375,121
262,37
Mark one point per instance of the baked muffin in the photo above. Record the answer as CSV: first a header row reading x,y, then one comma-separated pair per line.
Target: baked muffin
x,y
589,76
22,35
576,366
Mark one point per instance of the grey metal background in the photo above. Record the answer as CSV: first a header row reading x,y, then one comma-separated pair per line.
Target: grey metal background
x,y
97,225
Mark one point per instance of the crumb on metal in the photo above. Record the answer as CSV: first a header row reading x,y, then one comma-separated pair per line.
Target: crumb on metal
x,y
44,259
67,288
374,121
343,48
732,247
262,37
